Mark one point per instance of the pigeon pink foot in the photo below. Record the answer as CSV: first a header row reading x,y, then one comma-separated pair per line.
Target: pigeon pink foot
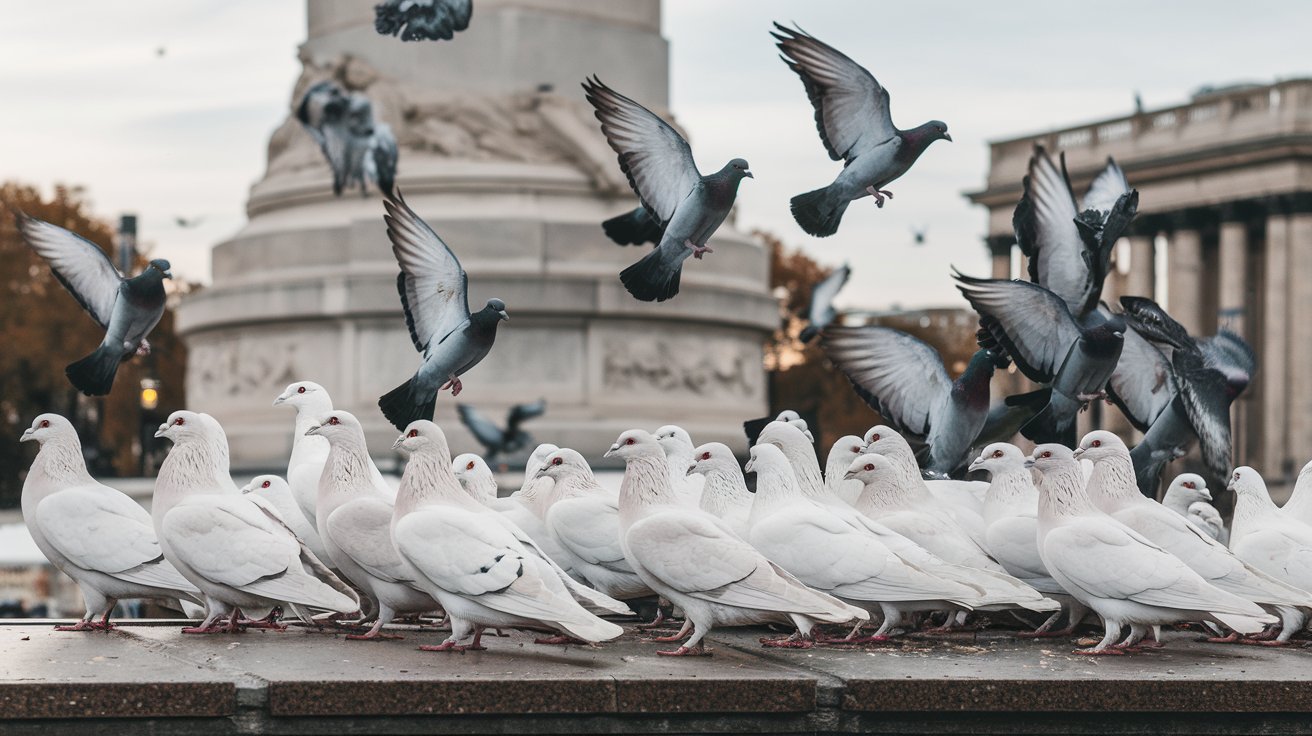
x,y
697,250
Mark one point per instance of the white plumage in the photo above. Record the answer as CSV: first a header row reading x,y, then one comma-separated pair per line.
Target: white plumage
x,y
962,500
1189,497
1269,540
476,478
724,493
841,455
678,447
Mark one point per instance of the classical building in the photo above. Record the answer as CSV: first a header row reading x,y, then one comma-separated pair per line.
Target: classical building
x,y
1223,237
502,155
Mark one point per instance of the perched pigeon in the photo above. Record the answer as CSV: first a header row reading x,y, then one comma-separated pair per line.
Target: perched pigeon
x,y
1189,497
584,519
1299,505
311,401
422,20
1034,327
357,148
494,439
525,508
274,491
1011,519
354,519
753,427
852,116
434,295
846,449
724,495
1268,540
476,478
243,558
904,380
1070,248
964,500
634,228
659,165
678,448
93,533
699,564
482,568
833,555
128,309
1113,490
1109,567
820,311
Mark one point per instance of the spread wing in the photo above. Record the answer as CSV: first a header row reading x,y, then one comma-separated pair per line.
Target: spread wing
x,y
1029,323
820,312
487,433
433,287
80,265
1143,383
520,413
1207,405
897,375
652,154
1045,227
851,107
383,156
1106,189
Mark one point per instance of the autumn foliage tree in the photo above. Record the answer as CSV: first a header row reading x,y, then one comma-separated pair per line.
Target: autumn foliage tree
x,y
42,329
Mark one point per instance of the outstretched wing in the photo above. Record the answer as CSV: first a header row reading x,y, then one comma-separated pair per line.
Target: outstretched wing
x,y
652,154
820,312
383,156
851,106
433,287
487,433
1207,403
520,413
1106,189
1143,383
897,375
1029,323
80,265
1044,221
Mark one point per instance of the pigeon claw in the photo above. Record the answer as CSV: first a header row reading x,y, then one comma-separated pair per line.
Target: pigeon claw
x,y
1096,652
379,636
559,640
80,626
879,194
788,642
451,646
697,250
697,651
454,384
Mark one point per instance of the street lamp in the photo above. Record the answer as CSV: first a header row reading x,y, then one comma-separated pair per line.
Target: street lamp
x,y
146,405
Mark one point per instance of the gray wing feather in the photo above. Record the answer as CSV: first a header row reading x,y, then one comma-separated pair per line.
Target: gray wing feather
x,y
1029,323
1143,383
1046,232
821,310
80,265
899,376
1106,188
433,287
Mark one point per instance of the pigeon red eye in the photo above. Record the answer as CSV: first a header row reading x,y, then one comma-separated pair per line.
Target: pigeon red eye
x,y
334,421
870,466
265,484
300,390
470,466
874,438
1047,454
415,433
630,441
1188,484
997,453
179,421
856,448
706,456
1097,443
557,461
45,423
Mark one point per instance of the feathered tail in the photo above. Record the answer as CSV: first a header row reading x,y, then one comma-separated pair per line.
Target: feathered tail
x,y
1056,423
818,213
406,403
650,280
94,374
633,228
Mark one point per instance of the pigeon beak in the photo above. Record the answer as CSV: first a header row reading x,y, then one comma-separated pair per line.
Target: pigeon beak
x,y
748,468
947,136
27,435
162,429
1078,453
613,449
1207,495
313,430
398,442
691,469
748,174
248,487
849,475
974,465
504,316
168,274
281,398
1029,462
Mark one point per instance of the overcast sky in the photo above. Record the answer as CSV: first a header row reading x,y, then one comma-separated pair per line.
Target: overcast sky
x,y
164,107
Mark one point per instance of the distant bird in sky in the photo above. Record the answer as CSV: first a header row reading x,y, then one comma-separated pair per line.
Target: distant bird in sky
x,y
820,311
422,20
358,148
918,235
497,440
434,295
188,222
128,308
852,116
658,162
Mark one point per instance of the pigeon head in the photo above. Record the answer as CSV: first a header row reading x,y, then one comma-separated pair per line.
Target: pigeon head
x,y
491,313
849,447
303,394
870,468
1191,487
674,440
711,457
998,458
564,463
635,443
782,435
359,116
262,485
767,458
1099,445
421,435
1050,457
788,415
162,266
48,427
1247,482
338,426
183,425
884,440
738,168
468,466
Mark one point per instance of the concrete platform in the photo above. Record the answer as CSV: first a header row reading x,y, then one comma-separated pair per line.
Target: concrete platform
x,y
149,678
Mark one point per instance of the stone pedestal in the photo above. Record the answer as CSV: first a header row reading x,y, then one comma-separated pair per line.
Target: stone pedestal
x,y
501,154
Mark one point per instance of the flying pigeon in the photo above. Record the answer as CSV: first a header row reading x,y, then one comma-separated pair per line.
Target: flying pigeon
x,y
1269,540
724,494
358,149
699,564
93,533
855,125
659,165
1070,248
482,568
820,311
904,380
238,553
434,295
1122,576
1188,496
918,235
494,439
1113,490
422,20
633,228
1035,328
128,308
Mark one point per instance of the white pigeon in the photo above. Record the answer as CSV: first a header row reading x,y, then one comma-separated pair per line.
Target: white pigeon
x,y
1299,505
476,478
1011,523
527,507
277,494
697,562
1269,540
482,569
678,448
535,491
354,518
963,500
788,416
1119,573
584,520
241,557
1113,489
841,455
833,555
92,533
1189,497
724,494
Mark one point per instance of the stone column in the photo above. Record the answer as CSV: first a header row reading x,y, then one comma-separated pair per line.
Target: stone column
x,y
1184,278
1000,247
1141,280
1233,276
1274,350
1298,374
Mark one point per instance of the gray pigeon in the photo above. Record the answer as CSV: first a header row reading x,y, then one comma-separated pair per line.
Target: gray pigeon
x,y
358,149
422,20
1034,327
633,228
1070,249
128,309
434,294
820,312
494,439
660,168
904,380
852,115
